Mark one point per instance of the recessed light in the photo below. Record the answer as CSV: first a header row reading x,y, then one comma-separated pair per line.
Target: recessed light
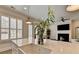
x,y
25,8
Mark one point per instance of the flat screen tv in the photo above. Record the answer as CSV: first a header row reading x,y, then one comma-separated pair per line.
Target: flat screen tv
x,y
63,27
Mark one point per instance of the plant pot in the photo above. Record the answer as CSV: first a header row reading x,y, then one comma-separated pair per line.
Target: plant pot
x,y
40,41
44,40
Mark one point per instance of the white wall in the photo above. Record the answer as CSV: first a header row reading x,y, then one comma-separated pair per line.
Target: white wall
x,y
39,11
30,33
59,11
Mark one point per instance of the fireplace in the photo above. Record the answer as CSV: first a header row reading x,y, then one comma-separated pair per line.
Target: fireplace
x,y
63,37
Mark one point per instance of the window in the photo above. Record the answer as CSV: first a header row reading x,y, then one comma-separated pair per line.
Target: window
x,y
19,24
4,34
19,28
12,23
4,28
10,28
19,34
4,22
12,34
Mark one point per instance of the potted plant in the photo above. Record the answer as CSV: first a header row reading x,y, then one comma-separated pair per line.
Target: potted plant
x,y
44,25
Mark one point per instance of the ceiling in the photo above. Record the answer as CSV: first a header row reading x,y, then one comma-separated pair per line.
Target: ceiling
x,y
72,8
36,11
40,11
19,8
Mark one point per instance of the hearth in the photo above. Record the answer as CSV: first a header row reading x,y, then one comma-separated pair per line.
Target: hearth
x,y
63,37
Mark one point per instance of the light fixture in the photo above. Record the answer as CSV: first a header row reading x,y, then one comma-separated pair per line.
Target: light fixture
x,y
25,8
28,21
72,8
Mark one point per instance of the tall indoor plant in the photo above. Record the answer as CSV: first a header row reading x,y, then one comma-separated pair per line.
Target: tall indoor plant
x,y
44,25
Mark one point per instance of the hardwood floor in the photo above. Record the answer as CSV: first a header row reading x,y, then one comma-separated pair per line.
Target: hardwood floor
x,y
6,52
57,47
60,47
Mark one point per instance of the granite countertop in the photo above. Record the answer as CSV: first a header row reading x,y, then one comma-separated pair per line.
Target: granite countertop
x,y
34,49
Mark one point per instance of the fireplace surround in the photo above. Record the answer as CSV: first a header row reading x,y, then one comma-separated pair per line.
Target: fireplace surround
x,y
63,37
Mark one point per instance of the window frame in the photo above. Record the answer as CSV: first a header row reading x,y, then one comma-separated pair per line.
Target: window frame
x,y
11,28
4,28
